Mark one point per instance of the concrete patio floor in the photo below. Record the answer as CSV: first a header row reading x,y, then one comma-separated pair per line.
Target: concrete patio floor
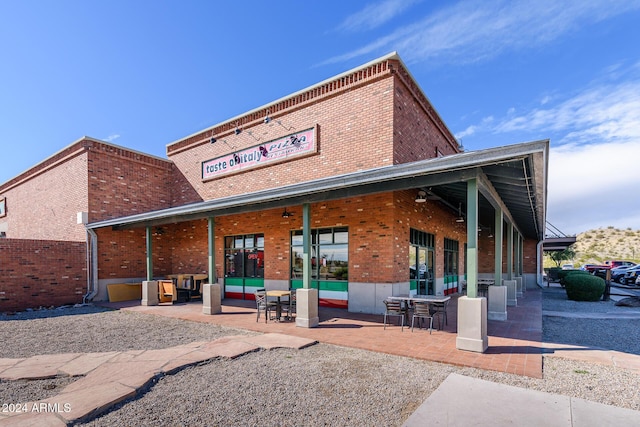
x,y
515,345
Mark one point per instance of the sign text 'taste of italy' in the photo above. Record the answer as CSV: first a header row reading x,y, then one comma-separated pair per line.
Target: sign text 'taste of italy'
x,y
282,149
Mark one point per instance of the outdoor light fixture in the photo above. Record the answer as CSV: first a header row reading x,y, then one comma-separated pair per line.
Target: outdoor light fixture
x,y
212,140
267,119
421,197
238,130
286,214
460,217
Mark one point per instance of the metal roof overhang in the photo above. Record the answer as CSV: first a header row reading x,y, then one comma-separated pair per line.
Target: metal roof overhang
x,y
551,244
512,177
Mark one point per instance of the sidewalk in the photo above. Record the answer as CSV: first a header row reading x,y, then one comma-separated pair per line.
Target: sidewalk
x,y
463,401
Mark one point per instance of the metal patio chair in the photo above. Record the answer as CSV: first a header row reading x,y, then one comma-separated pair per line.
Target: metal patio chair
x,y
421,311
439,310
394,308
263,305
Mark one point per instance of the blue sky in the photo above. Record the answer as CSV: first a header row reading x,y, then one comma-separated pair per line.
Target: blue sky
x,y
143,74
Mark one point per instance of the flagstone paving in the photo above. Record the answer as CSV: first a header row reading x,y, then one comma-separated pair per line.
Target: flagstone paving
x,y
111,377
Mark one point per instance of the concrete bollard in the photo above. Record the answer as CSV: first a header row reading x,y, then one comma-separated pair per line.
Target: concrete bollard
x,y
150,293
211,298
307,308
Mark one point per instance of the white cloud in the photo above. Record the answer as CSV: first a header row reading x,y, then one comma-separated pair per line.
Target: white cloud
x,y
593,169
610,112
594,186
375,15
472,31
467,132
112,137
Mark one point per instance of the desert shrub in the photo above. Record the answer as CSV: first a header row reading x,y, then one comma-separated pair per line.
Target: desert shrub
x,y
584,287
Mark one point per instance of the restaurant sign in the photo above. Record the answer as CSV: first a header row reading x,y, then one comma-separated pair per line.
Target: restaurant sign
x,y
287,148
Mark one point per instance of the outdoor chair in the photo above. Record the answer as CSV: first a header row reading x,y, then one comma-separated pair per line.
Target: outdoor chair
x,y
421,311
289,307
195,285
394,308
263,304
439,309
167,291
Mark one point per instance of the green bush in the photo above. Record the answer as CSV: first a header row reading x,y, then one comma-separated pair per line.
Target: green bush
x,y
562,274
584,287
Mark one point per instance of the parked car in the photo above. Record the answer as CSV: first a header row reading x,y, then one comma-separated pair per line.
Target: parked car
x,y
631,275
617,274
567,266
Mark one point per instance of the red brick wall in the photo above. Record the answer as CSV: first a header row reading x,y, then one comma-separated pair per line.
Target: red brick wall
x,y
45,205
430,217
123,182
355,133
123,253
35,273
486,253
418,132
530,257
88,176
189,250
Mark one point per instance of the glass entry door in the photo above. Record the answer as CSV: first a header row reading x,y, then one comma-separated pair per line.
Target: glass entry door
x,y
421,285
421,263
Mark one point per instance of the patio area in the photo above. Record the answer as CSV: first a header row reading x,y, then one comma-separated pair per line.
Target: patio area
x,y
515,345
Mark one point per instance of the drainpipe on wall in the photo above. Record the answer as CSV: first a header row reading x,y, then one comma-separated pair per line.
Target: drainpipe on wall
x,y
539,279
92,266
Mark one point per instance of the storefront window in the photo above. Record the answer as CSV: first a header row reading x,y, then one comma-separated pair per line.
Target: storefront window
x,y
329,254
244,256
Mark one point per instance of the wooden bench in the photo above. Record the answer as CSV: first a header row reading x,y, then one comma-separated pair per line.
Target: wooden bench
x,y
124,292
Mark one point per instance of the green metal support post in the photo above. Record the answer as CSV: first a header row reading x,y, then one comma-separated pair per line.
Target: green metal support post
x,y
306,246
212,259
472,238
149,255
509,251
498,235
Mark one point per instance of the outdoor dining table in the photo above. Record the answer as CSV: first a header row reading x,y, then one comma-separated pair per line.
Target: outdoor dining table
x,y
278,294
408,299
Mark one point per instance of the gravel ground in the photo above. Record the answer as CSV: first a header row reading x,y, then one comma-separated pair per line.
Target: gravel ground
x,y
319,385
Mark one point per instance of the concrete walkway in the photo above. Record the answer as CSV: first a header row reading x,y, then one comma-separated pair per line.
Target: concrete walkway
x,y
464,401
110,378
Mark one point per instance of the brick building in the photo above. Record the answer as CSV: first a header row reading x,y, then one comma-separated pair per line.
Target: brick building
x,y
361,164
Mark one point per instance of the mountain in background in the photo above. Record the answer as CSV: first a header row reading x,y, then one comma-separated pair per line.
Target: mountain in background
x,y
603,244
